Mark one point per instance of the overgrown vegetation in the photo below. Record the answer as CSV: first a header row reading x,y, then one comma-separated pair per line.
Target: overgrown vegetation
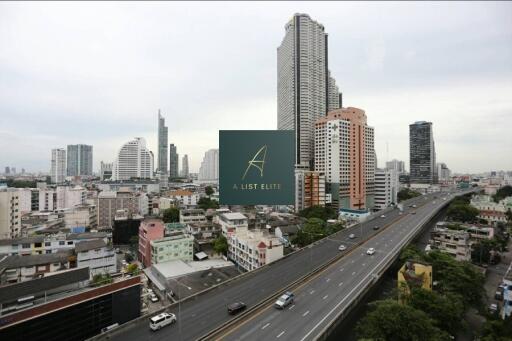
x,y
206,203
208,190
406,193
171,215
321,212
460,210
502,193
315,229
101,279
220,245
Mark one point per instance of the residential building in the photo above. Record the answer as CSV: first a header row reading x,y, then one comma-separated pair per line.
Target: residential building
x,y
476,233
79,160
150,229
58,166
133,160
81,216
230,222
386,188
108,203
209,170
184,166
309,189
16,268
143,185
125,227
414,274
196,215
63,306
97,256
422,154
396,165
68,197
173,162
453,242
174,246
106,170
184,197
344,152
10,214
251,249
305,90
162,144
443,172
493,212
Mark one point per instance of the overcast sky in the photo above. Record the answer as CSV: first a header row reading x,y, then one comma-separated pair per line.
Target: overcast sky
x,y
97,73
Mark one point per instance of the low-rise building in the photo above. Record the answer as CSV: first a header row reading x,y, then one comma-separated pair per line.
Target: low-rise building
x,y
96,255
251,249
231,222
150,229
386,188
14,269
453,242
196,215
80,216
493,212
184,198
174,246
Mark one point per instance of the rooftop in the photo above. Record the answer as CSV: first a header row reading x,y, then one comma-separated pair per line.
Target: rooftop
x,y
17,261
90,245
234,216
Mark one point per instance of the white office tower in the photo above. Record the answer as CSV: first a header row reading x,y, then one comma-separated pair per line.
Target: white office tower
x,y
303,84
58,167
133,160
443,172
397,165
386,188
184,166
209,170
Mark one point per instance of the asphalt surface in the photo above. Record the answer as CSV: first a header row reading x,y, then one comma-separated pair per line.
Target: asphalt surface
x,y
208,311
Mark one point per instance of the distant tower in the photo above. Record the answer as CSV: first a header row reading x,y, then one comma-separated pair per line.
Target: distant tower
x,y
173,161
133,160
209,169
79,160
422,154
162,144
58,166
184,166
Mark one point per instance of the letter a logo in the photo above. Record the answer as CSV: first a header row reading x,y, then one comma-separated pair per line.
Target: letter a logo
x,y
257,161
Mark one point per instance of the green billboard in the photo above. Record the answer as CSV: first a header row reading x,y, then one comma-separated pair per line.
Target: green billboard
x,y
256,167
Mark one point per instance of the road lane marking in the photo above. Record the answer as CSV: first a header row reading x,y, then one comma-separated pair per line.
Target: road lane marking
x,y
265,326
312,292
280,334
353,273
341,269
325,296
328,279
364,264
307,312
291,307
353,261
341,283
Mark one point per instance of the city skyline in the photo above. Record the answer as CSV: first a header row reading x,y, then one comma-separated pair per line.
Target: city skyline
x,y
101,84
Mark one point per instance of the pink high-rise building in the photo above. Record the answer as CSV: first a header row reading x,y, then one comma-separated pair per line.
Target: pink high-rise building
x,y
149,229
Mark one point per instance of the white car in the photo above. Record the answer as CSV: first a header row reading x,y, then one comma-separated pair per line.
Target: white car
x,y
383,216
342,248
370,251
161,320
153,298
352,236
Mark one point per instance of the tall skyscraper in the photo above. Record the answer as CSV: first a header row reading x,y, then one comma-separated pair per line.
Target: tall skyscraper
x,y
344,152
58,167
162,144
422,154
209,170
133,160
305,89
397,165
184,166
7,170
79,158
173,162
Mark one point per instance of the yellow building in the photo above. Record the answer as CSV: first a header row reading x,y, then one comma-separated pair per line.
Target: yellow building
x,y
413,274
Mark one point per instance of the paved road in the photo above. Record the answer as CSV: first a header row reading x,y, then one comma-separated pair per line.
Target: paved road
x,y
198,316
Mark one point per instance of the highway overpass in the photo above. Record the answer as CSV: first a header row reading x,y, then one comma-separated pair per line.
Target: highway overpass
x,y
327,283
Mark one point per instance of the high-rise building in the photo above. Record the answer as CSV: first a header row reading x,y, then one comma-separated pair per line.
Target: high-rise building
x,y
133,160
397,165
422,153
13,170
443,172
108,203
79,160
344,152
10,214
309,189
173,162
162,144
7,170
209,170
305,90
58,169
184,166
386,188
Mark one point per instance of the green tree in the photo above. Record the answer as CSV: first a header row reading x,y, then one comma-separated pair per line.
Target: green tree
x,y
502,193
134,244
485,252
320,212
206,203
101,279
132,268
313,230
446,310
208,190
509,215
406,193
497,330
128,257
171,215
390,320
220,245
462,212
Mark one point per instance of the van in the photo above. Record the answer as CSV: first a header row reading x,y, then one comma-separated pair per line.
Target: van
x,y
159,321
109,328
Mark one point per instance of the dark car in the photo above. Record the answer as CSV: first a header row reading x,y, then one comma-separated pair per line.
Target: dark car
x,y
235,308
376,227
